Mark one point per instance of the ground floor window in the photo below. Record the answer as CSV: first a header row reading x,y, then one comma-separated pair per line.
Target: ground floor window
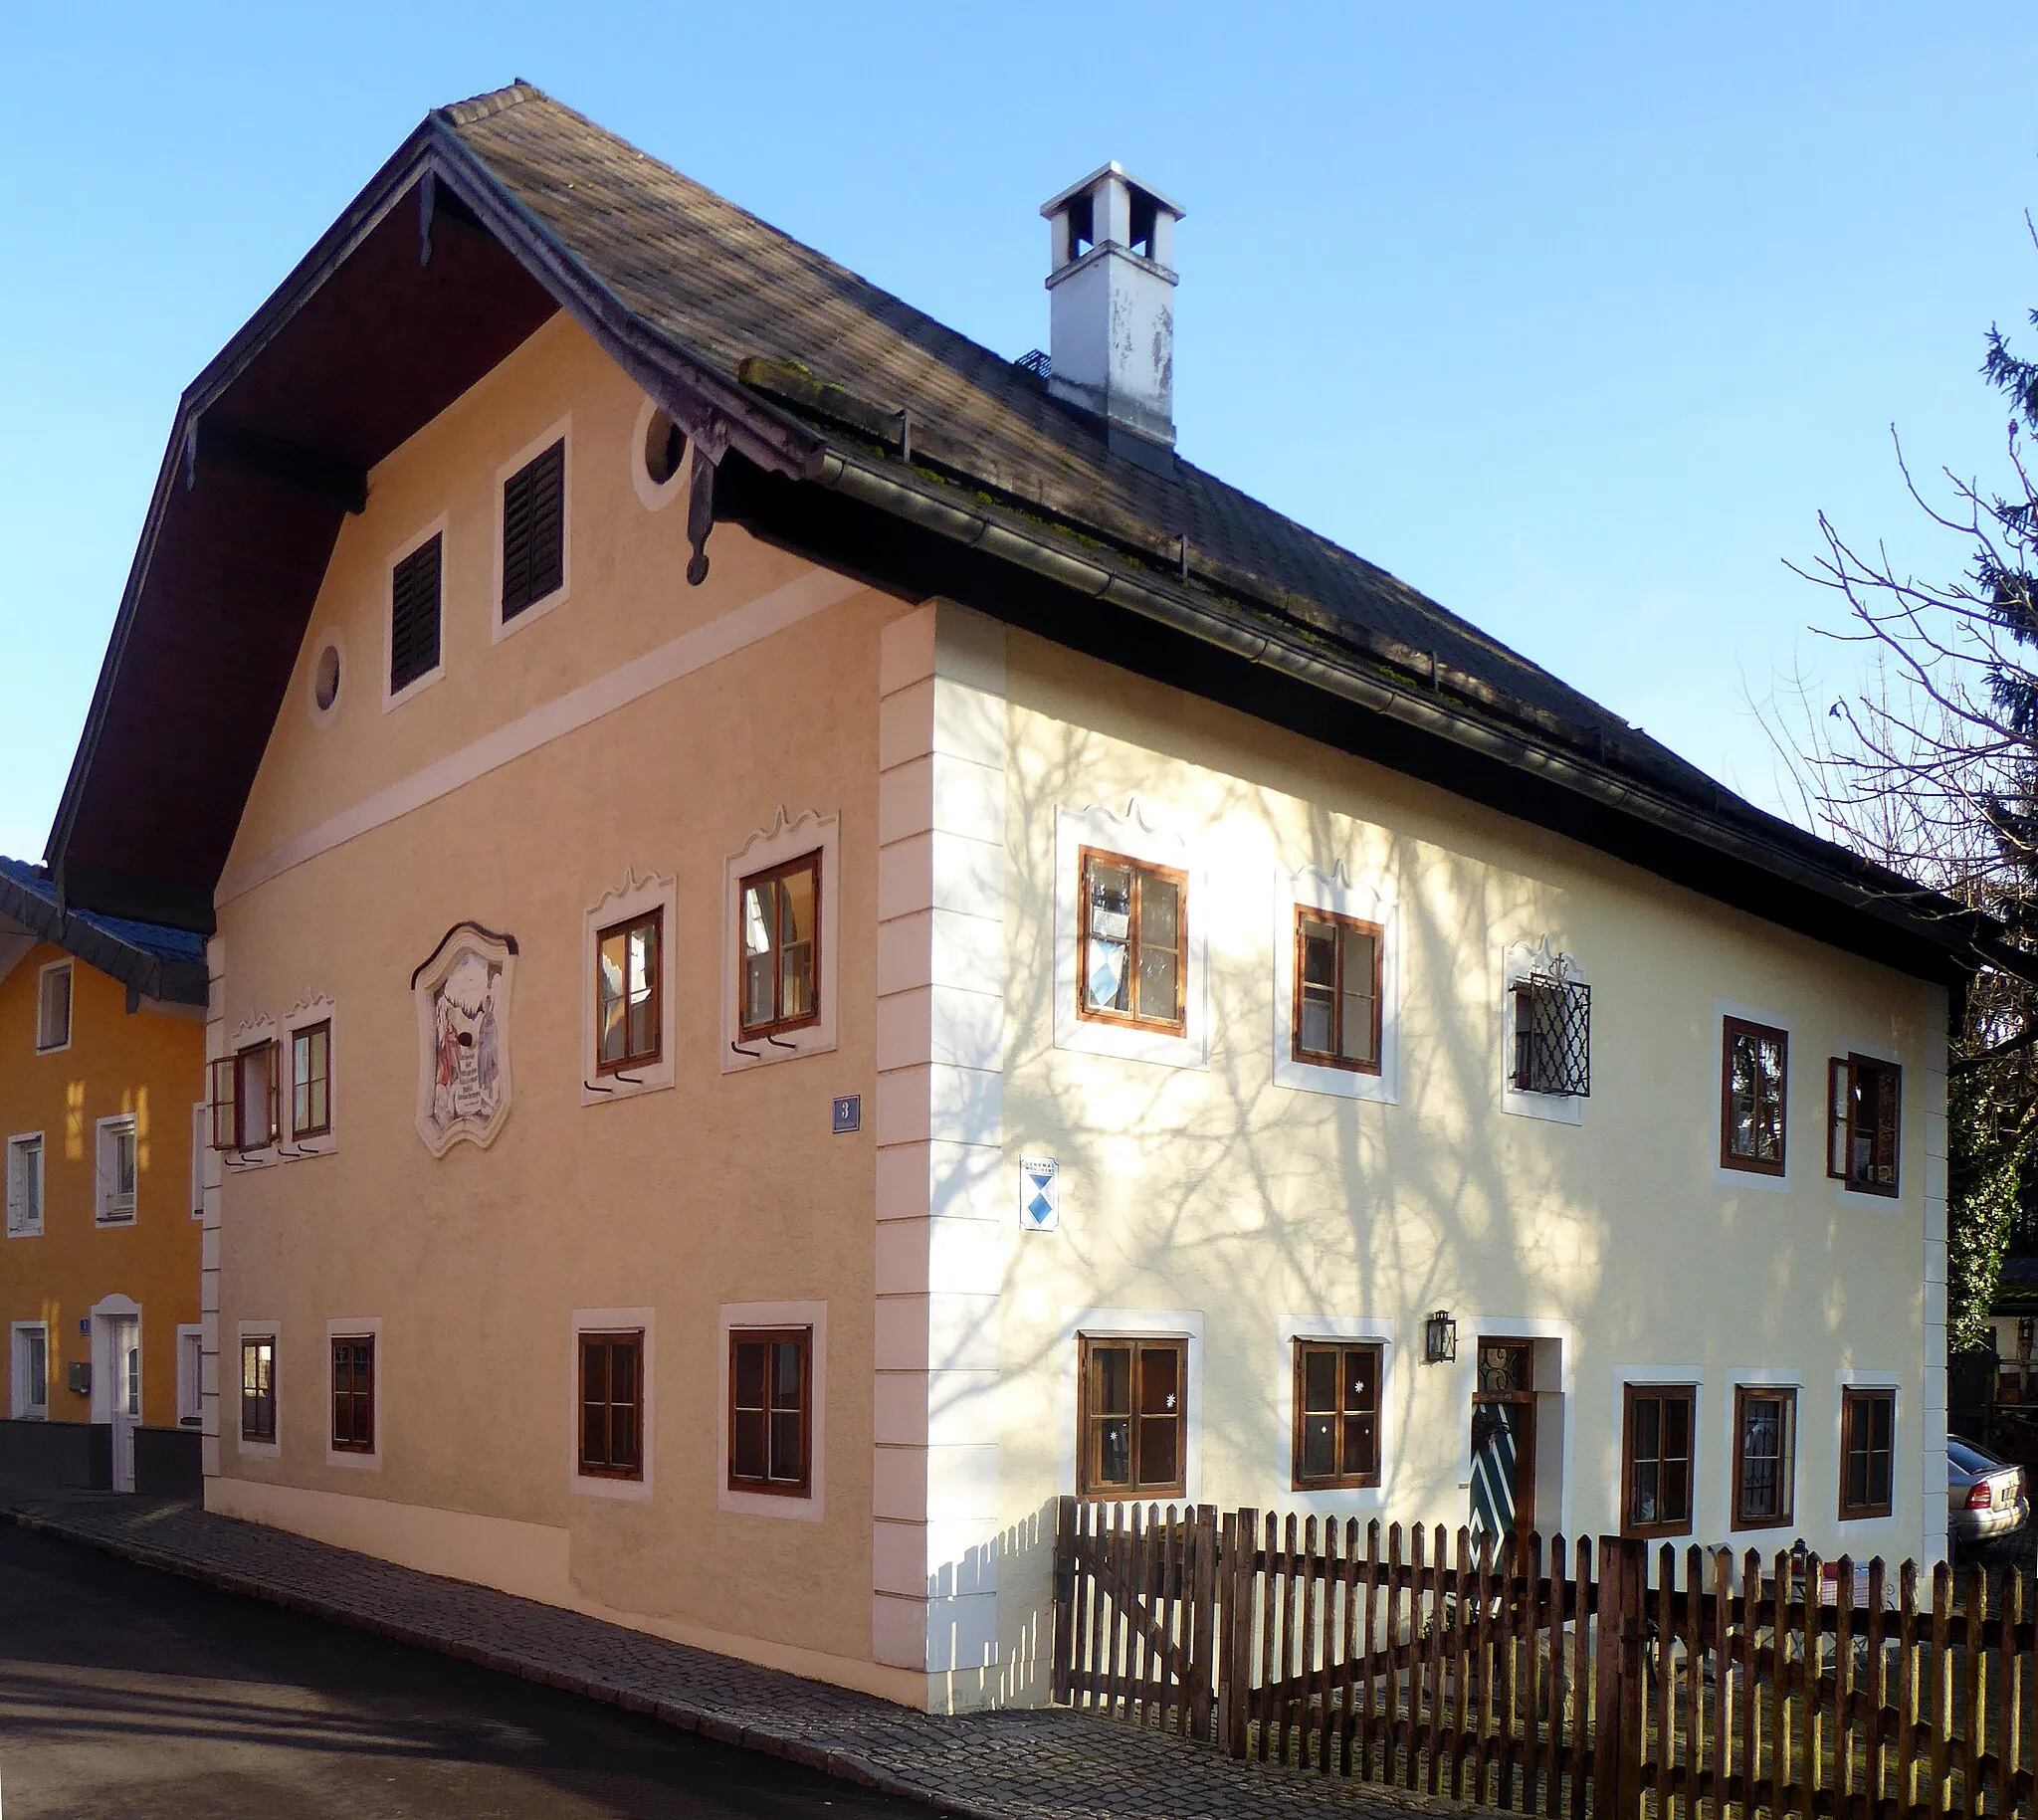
x,y
1134,1397
612,1404
30,1371
190,1376
353,1393
1336,1415
1765,1457
1656,1460
770,1416
1868,1428
258,1389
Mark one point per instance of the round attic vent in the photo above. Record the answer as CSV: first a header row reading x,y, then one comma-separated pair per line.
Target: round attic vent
x,y
664,449
326,670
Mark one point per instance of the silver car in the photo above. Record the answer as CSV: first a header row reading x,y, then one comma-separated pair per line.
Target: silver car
x,y
1985,1496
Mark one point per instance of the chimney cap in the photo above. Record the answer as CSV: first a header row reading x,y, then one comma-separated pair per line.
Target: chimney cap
x,y
1055,204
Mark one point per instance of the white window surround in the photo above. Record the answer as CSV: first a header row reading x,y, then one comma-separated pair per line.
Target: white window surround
x,y
615,1320
624,902
786,838
190,1374
255,1030
498,628
649,494
1862,1531
335,639
307,1011
1337,1500
736,1317
1138,836
23,1221
417,684
201,1148
1793,1082
1332,891
106,1135
22,1405
1854,1199
350,1330
231,1381
1522,959
1133,1323
70,1007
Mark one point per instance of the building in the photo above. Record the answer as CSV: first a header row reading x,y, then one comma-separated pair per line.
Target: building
x,y
815,940
102,1067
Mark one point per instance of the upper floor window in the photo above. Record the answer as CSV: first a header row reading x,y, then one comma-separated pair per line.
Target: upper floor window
x,y
770,1415
1337,990
1868,1428
312,1080
1753,1064
52,1007
25,1185
781,948
1553,1036
414,591
1133,942
534,531
119,1167
1656,1473
1336,1414
1133,1396
247,1098
1864,1099
1765,1457
627,997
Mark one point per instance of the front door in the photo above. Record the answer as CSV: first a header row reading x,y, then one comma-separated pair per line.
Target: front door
x,y
125,1347
1504,1440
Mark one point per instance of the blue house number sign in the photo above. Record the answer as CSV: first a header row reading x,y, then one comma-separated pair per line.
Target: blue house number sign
x,y
1040,1193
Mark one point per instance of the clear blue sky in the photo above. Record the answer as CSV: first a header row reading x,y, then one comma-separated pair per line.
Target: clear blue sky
x,y
1573,317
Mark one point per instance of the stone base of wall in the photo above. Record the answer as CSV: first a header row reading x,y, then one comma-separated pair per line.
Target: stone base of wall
x,y
168,1462
38,1459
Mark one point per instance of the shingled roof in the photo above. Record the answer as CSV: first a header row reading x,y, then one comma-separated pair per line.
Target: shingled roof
x,y
797,381
153,960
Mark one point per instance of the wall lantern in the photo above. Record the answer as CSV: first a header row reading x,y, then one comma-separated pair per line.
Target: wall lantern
x,y
1439,1340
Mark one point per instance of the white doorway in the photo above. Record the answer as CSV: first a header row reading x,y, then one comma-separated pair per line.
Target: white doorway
x,y
116,1379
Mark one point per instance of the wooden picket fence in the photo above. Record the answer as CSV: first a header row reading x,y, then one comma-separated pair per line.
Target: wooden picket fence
x,y
1557,1679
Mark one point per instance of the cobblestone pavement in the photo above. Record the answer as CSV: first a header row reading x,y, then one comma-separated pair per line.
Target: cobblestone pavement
x,y
1034,1765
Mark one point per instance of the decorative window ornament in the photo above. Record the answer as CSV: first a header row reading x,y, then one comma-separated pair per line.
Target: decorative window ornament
x,y
462,992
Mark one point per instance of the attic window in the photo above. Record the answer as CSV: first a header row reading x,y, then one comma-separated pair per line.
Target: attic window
x,y
326,680
534,531
414,615
665,447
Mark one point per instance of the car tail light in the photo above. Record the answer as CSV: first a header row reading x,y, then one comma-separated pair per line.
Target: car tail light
x,y
1980,1498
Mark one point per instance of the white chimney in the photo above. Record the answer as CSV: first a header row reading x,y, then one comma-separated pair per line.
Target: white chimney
x,y
1111,288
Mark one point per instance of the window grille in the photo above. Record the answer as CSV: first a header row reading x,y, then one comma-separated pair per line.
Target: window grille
x,y
1553,1036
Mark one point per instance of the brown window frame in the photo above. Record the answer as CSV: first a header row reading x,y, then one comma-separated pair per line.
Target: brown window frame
x,y
1300,1478
231,1073
1178,1024
1687,1394
767,1485
1786,1458
1732,1028
1334,1058
263,1397
1843,1082
773,1025
1090,1421
302,1034
354,1407
608,1462
1855,1401
654,1055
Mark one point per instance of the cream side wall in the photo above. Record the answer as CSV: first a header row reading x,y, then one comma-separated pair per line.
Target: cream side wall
x,y
1216,1194
729,1189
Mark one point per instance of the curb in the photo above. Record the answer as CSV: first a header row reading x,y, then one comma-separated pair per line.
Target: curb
x,y
838,1762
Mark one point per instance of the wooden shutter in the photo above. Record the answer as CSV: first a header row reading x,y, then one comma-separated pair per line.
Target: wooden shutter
x,y
534,530
1837,1084
224,1076
414,615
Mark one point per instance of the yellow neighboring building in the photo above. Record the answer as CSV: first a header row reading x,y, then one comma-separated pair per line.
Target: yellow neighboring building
x,y
101,1058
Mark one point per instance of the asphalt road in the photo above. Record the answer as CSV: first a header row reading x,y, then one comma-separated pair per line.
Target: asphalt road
x,y
132,1694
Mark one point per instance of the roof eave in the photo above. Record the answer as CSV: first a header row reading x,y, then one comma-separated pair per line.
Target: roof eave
x,y
176,982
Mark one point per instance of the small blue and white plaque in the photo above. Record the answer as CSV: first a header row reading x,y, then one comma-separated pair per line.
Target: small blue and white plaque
x,y
849,1114
1040,1193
